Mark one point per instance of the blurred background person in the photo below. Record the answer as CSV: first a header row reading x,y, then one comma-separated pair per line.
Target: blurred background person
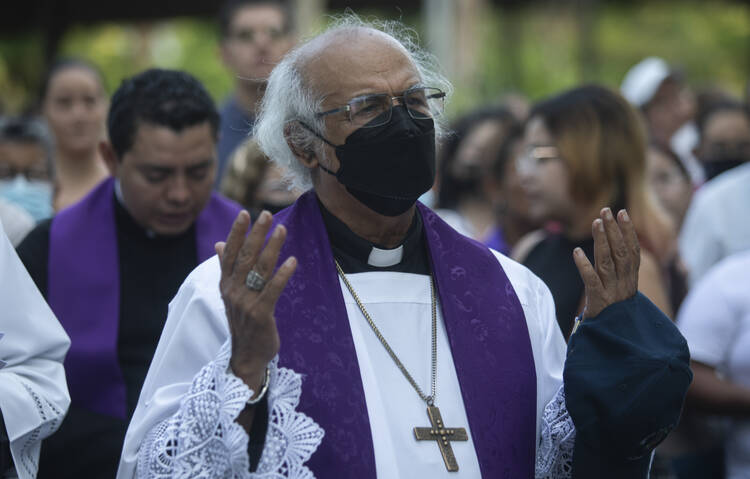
x,y
245,171
254,36
715,320
668,106
714,226
707,97
74,104
716,223
110,264
585,149
669,181
517,104
724,131
26,174
256,183
506,194
465,161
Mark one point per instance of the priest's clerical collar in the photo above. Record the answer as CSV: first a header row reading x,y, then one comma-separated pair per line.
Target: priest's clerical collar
x,y
357,255
127,221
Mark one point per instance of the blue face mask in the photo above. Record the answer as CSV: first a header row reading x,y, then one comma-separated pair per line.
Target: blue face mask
x,y
33,196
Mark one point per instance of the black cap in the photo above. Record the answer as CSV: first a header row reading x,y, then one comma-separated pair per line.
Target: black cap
x,y
626,375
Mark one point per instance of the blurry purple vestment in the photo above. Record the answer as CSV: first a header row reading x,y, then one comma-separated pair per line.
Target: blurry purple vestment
x,y
84,290
487,333
496,241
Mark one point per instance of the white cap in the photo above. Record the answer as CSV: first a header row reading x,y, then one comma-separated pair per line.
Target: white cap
x,y
644,79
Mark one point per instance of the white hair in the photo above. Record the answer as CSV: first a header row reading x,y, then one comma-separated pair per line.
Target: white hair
x,y
289,98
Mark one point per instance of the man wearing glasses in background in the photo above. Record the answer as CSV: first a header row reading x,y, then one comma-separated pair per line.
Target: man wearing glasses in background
x,y
255,35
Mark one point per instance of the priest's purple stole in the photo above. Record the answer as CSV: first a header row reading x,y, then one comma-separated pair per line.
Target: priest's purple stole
x,y
487,333
84,290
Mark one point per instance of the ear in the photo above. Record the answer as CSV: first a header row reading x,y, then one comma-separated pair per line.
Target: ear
x,y
306,156
110,157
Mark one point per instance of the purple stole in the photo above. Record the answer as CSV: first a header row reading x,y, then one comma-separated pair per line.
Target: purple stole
x,y
84,290
488,338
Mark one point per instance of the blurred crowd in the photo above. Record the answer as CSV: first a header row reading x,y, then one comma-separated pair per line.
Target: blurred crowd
x,y
523,177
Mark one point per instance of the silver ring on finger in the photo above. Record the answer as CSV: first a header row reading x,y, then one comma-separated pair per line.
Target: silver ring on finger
x,y
254,281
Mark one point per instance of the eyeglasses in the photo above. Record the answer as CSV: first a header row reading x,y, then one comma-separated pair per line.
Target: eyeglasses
x,y
420,102
32,173
534,156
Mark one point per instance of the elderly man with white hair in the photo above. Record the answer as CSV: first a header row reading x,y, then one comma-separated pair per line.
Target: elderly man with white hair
x,y
314,345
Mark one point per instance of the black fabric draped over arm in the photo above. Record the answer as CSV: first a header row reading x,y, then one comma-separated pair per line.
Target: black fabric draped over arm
x,y
626,375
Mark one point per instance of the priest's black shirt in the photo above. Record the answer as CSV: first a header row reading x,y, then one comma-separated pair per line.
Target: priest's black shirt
x,y
352,252
152,268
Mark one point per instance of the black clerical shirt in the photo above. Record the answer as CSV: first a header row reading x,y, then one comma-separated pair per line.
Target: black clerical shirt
x,y
353,252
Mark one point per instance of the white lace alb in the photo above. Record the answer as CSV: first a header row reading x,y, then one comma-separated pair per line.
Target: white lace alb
x,y
202,439
554,458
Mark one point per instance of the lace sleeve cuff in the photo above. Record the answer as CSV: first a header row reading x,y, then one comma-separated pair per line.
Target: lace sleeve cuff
x,y
25,450
554,459
202,438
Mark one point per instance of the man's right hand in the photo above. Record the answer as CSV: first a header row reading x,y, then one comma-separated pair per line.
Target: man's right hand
x,y
255,339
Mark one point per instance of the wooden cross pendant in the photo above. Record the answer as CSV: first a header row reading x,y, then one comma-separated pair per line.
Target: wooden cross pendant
x,y
443,435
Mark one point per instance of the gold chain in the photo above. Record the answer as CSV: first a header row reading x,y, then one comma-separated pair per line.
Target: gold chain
x,y
430,400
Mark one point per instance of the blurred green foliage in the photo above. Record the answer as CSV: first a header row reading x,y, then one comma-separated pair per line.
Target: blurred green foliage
x,y
537,49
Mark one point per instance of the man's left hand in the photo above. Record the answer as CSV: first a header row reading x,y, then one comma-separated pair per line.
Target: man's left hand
x,y
617,256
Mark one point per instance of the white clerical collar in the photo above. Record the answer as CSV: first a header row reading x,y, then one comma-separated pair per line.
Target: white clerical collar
x,y
383,258
357,255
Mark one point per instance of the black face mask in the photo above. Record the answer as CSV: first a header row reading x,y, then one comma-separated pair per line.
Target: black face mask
x,y
387,167
713,168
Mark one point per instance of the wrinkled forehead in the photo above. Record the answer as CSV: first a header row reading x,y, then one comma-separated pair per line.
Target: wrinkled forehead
x,y
342,64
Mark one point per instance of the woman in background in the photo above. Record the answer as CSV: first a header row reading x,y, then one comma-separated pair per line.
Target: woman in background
x,y
670,182
256,183
584,150
74,104
504,190
465,161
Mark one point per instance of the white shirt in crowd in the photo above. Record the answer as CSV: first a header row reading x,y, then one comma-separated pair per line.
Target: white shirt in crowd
x,y
33,392
716,224
715,320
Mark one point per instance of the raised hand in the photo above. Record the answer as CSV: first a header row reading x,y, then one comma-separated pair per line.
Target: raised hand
x,y
250,304
617,257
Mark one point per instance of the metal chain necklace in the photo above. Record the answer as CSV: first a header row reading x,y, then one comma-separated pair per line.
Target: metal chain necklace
x,y
430,400
438,432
